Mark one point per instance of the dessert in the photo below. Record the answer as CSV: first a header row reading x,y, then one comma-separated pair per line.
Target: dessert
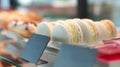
x,y
72,32
110,28
102,31
62,34
45,28
22,28
78,31
85,29
75,31
23,24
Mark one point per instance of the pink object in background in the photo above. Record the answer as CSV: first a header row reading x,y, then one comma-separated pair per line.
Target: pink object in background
x,y
116,41
110,52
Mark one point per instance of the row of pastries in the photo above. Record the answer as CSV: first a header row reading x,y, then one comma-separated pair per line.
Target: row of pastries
x,y
74,31
78,31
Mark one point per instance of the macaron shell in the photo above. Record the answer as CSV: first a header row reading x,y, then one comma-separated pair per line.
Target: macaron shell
x,y
108,28
74,31
43,29
67,26
96,30
61,34
113,28
86,31
104,32
100,34
80,32
90,25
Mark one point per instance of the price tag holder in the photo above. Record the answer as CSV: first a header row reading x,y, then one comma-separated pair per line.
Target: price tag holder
x,y
76,56
34,48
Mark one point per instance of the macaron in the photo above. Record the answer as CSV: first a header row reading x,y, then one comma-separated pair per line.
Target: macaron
x,y
43,29
110,28
103,33
61,33
92,30
66,25
79,32
75,31
85,30
46,29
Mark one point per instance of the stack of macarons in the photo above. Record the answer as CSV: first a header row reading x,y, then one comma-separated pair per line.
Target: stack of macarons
x,y
78,31
46,28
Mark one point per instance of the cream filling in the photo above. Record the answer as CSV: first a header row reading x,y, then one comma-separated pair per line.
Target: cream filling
x,y
105,31
111,25
100,31
80,32
108,28
92,29
85,30
114,31
74,31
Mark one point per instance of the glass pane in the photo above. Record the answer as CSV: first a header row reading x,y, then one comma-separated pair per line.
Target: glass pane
x,y
105,9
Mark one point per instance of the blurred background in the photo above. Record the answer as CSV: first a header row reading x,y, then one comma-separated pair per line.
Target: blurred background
x,y
63,9
49,10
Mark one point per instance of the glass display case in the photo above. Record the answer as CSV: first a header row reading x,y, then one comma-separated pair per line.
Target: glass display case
x,y
52,10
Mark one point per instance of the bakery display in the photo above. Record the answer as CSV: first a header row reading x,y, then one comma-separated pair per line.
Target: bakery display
x,y
78,31
85,32
89,31
92,33
23,24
